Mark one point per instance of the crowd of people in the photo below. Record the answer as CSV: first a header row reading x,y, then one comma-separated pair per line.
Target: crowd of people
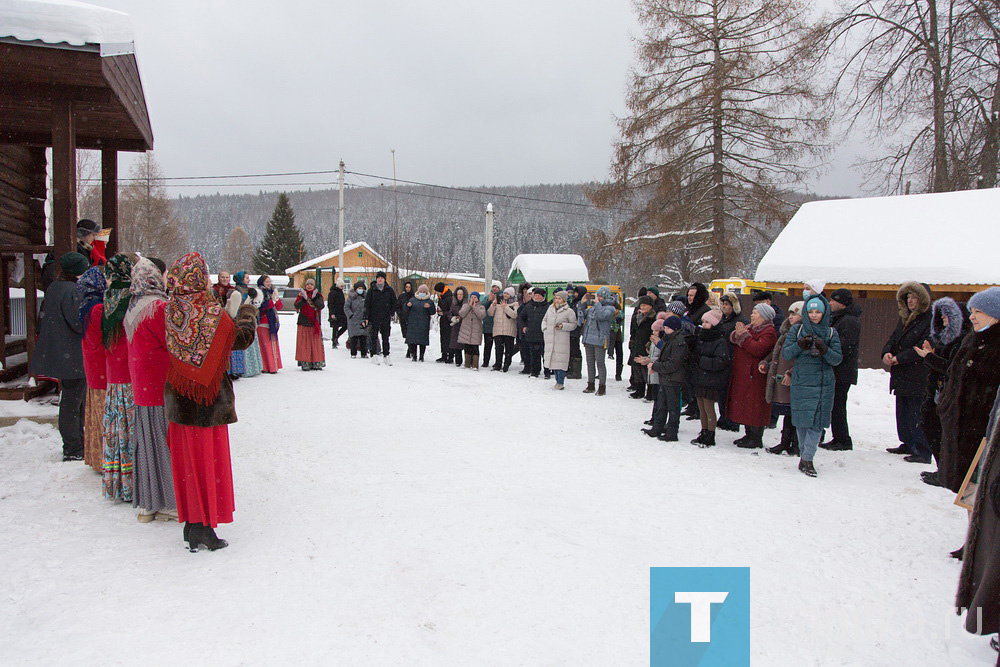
x,y
146,357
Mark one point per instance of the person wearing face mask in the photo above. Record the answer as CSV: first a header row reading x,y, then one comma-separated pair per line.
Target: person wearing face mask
x,y
357,332
907,372
814,346
966,399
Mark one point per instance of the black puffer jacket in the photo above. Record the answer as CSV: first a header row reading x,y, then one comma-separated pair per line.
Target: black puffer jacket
x,y
671,365
909,376
699,306
847,324
713,355
530,316
639,343
380,304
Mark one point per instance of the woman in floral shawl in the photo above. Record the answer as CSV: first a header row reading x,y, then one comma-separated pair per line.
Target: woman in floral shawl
x,y
119,403
199,400
148,362
309,339
267,328
91,286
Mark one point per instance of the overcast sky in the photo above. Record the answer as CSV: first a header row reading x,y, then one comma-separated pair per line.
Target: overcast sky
x,y
467,93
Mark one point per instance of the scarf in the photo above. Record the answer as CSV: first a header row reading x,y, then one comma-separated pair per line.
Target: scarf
x,y
221,292
200,334
148,289
116,299
267,310
308,311
91,286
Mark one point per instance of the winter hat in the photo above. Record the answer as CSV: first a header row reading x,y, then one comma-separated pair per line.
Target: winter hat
x,y
760,295
73,264
477,295
673,322
87,226
340,283
796,308
605,293
641,293
511,292
439,288
988,301
380,274
662,316
566,295
677,308
644,300
713,317
653,290
815,304
538,290
360,284
658,325
765,311
816,285
842,296
423,290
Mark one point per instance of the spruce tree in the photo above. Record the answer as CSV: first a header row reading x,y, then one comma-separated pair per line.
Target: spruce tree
x,y
282,245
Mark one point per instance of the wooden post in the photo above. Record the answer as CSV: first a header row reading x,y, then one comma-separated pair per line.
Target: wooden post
x,y
109,197
4,310
63,177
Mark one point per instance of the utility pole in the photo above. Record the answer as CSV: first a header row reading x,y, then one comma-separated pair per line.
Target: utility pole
x,y
489,250
340,215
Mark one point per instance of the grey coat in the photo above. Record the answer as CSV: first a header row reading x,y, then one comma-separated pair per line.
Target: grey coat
x,y
557,340
354,309
597,323
419,313
59,352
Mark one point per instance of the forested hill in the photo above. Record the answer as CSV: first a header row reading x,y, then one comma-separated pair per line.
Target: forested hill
x,y
438,229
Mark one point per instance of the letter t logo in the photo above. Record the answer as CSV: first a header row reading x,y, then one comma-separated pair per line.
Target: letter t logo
x,y
701,612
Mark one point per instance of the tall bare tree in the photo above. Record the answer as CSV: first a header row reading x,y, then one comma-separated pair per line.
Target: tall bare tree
x,y
146,218
723,113
239,251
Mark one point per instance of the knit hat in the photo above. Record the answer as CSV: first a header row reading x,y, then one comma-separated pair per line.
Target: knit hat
x,y
842,296
538,290
796,308
87,226
605,293
439,288
653,290
422,289
642,292
988,301
815,304
760,295
816,285
644,300
564,294
765,311
663,315
713,317
658,325
676,307
673,323
73,264
511,292
477,295
380,274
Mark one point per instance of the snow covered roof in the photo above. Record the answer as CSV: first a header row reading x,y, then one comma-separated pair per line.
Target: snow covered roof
x,y
64,21
548,269
471,277
330,255
888,240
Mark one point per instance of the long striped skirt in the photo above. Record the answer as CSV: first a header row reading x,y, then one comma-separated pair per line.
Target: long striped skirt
x,y
254,364
154,482
270,351
93,429
309,350
119,424
203,473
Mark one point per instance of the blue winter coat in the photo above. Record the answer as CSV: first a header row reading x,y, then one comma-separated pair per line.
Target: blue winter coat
x,y
597,321
812,377
418,322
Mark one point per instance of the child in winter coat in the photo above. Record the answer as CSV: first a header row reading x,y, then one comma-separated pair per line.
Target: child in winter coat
x,y
671,372
710,373
815,347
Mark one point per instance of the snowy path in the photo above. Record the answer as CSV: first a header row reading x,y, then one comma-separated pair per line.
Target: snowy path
x,y
424,514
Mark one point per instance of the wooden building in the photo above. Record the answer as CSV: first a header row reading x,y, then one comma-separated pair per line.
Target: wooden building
x,y
68,79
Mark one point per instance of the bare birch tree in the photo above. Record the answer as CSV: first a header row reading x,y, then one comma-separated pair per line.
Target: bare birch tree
x,y
722,115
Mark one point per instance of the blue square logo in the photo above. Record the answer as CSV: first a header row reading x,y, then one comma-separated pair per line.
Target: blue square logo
x,y
699,616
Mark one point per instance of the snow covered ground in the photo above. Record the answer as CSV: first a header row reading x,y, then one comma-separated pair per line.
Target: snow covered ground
x,y
424,514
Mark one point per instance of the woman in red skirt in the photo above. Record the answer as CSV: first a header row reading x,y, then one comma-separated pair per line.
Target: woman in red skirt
x,y
267,327
199,400
309,337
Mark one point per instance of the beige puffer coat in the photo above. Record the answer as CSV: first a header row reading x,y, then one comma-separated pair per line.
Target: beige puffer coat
x,y
557,339
471,328
504,319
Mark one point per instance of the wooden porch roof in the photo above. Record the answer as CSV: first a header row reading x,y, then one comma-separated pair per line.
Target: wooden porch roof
x,y
109,106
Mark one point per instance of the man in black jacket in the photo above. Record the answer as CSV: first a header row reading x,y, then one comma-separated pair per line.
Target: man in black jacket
x,y
380,303
335,300
401,309
908,374
847,323
529,322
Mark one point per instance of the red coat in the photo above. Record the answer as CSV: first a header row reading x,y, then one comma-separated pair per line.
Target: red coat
x,y
747,385
94,355
118,362
148,358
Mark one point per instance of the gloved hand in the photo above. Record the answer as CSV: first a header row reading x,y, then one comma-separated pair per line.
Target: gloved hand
x,y
806,342
821,347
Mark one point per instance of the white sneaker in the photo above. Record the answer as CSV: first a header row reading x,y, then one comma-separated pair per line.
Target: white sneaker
x,y
388,362
375,359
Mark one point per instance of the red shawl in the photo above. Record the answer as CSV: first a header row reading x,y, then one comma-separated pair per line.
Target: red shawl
x,y
308,311
200,334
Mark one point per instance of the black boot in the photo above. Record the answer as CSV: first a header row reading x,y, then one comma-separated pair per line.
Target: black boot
x,y
708,440
590,387
601,390
756,439
200,534
739,442
668,436
806,468
700,438
651,432
785,445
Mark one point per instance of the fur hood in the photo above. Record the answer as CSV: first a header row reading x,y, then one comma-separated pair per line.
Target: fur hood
x,y
700,297
958,321
923,297
735,300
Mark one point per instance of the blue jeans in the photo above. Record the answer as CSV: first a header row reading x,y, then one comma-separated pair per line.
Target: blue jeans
x,y
560,376
808,441
908,425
